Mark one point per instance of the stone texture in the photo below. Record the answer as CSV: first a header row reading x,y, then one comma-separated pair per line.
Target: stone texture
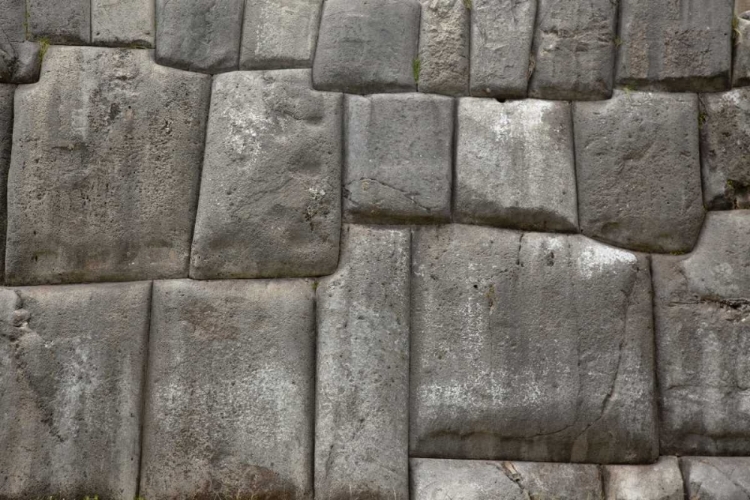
x,y
270,202
398,158
105,168
20,62
702,304
515,164
229,412
444,38
716,478
123,22
530,346
199,35
362,422
574,49
660,481
6,134
679,45
501,37
638,170
13,21
59,22
367,46
741,52
72,360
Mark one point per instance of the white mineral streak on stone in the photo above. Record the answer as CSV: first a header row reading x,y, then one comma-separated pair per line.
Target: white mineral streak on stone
x,y
597,259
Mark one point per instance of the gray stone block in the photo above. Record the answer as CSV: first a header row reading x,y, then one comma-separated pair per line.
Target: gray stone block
x,y
59,22
199,35
72,360
515,165
501,37
123,22
660,481
725,478
270,202
362,422
741,52
530,346
367,46
13,20
574,50
20,62
6,136
638,170
444,38
105,187
398,158
229,409
679,46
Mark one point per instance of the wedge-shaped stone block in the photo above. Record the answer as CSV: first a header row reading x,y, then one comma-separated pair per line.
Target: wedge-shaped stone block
x,y
270,202
515,165
741,51
63,22
367,46
229,410
638,170
6,134
399,157
702,311
123,22
530,346
660,481
444,39
362,423
105,168
716,478
72,360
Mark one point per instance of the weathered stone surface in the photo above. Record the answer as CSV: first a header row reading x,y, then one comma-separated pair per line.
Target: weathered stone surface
x,y
660,481
66,22
72,360
702,304
229,410
680,45
13,21
105,168
501,37
638,170
741,51
398,158
123,22
270,202
367,46
444,38
199,35
515,164
362,423
741,6
6,134
20,62
716,478
574,49
530,346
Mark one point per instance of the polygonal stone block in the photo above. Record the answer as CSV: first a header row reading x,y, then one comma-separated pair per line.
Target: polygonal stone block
x,y
6,135
398,158
660,481
716,478
229,408
20,62
444,38
123,22
741,51
65,22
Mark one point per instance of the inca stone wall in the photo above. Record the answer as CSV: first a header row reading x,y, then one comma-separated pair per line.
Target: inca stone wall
x,y
375,249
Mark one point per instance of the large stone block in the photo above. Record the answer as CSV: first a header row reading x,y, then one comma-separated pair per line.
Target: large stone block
x,y
530,346
444,39
716,478
638,170
741,51
515,165
105,168
367,46
399,157
6,134
229,409
362,422
65,22
72,360
270,202
123,22
660,481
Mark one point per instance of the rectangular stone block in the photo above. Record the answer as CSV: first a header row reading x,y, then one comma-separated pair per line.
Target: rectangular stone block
x,y
72,360
123,22
13,20
362,422
660,481
716,478
444,38
229,408
6,136
59,22
270,202
741,51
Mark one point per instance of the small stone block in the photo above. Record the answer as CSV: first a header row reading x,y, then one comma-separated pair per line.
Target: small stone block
x,y
660,481
124,23
444,38
716,478
59,22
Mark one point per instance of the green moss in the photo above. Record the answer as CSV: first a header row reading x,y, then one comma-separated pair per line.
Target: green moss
x,y
43,46
416,68
467,4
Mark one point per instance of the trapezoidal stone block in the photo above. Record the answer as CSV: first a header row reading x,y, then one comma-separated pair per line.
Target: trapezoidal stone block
x,y
123,22
229,407
716,478
444,38
659,481
59,22
6,135
72,360
104,173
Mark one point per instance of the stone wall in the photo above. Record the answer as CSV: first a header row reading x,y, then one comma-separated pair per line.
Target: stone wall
x,y
375,249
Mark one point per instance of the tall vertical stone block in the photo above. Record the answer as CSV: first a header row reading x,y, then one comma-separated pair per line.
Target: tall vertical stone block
x,y
65,22
123,22
741,50
444,39
13,20
6,135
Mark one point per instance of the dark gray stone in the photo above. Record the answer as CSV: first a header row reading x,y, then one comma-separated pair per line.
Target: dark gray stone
x,y
660,481
444,38
716,478
123,22
6,136
741,64
59,22
20,62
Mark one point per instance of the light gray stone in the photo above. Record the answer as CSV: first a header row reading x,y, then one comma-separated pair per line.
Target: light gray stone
x,y
501,37
270,202
530,346
660,481
638,170
13,20
398,158
123,22
63,22
716,478
229,410
444,38
367,46
515,165
72,360
6,134
741,52
362,422
574,50
105,168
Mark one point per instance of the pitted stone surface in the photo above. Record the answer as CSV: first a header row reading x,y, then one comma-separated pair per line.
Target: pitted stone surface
x,y
716,478
72,360
65,22
123,22
104,173
367,46
229,412
530,346
660,481
515,165
270,201
444,39
398,158
741,52
6,134
362,423
638,170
